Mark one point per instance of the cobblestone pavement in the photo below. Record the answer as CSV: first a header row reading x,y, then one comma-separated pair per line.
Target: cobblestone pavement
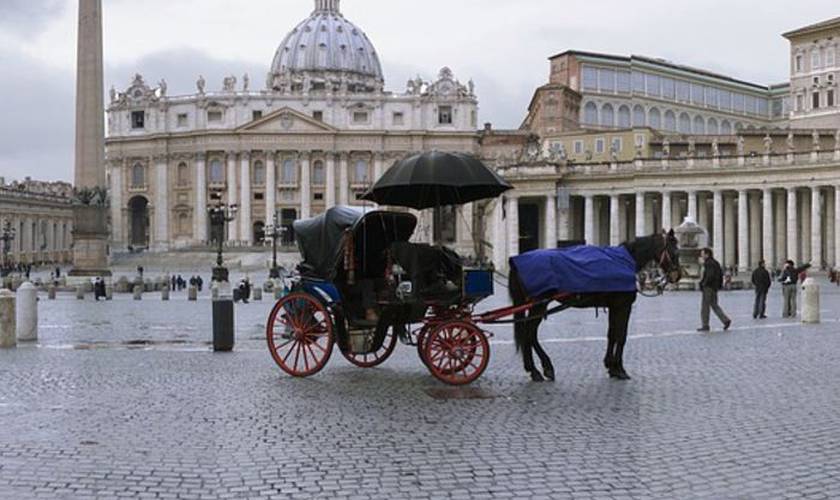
x,y
93,412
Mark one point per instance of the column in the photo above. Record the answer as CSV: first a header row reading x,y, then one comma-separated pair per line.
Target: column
x,y
589,219
513,225
232,195
615,220
730,235
667,220
200,209
836,226
816,228
641,230
343,179
743,231
717,222
161,203
563,216
754,198
551,221
305,187
378,165
792,226
805,227
270,186
830,218
117,239
692,207
499,246
245,235
768,250
329,197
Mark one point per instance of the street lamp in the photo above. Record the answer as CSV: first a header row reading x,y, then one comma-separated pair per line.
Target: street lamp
x,y
220,214
7,236
274,231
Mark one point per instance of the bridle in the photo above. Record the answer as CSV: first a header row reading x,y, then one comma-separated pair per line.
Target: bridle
x,y
666,263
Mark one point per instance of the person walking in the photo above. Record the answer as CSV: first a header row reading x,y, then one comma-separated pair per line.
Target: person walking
x,y
710,285
761,281
789,279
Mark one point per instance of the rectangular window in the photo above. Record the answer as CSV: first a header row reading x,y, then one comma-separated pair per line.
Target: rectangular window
x,y
256,115
829,58
683,90
778,106
214,116
617,144
182,120
360,117
638,82
798,64
738,102
751,104
319,196
668,88
399,118
623,82
653,85
259,196
815,100
590,78
829,98
578,147
815,60
640,140
445,115
725,99
763,107
711,97
599,145
697,94
138,120
799,103
318,116
606,80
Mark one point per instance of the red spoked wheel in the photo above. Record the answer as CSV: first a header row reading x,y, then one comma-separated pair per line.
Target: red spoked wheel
x,y
300,335
376,358
456,352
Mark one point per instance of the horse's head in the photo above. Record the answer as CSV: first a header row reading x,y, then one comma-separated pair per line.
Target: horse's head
x,y
667,255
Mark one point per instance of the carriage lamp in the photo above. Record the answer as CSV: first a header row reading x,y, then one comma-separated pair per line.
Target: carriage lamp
x,y
220,214
7,236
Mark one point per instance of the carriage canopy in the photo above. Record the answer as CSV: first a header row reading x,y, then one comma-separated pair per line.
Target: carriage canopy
x,y
321,238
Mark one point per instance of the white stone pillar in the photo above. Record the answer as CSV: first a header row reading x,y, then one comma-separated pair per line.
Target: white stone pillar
x,y
551,221
232,196
378,165
730,236
117,237
830,218
743,231
329,197
245,235
641,230
816,228
563,210
499,244
513,225
837,226
305,186
717,223
667,211
792,226
615,220
343,179
270,186
589,219
768,248
200,209
805,227
754,199
692,207
161,238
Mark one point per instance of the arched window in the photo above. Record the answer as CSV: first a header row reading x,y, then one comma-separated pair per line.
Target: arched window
x,y
624,117
322,55
183,175
670,121
739,126
318,173
360,172
685,123
725,128
590,114
699,125
289,172
655,118
138,175
712,127
259,173
639,116
607,116
217,172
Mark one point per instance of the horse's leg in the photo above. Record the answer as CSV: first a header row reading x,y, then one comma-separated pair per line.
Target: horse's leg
x,y
622,325
609,358
548,368
530,331
521,327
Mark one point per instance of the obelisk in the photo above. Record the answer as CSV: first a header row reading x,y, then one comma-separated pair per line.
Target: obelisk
x,y
90,231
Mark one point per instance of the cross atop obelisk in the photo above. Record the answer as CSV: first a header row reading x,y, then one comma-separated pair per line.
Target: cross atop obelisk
x,y
90,231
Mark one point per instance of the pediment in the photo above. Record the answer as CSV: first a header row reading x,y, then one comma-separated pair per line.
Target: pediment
x,y
286,120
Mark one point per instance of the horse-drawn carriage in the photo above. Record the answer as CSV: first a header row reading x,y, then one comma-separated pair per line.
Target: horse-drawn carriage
x,y
364,286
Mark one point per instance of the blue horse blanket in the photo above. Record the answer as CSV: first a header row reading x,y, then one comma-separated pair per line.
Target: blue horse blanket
x,y
580,269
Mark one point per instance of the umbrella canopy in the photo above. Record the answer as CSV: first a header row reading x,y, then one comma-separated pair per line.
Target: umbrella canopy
x,y
435,179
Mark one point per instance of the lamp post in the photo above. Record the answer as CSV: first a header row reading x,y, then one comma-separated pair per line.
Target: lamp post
x,y
220,214
274,231
7,236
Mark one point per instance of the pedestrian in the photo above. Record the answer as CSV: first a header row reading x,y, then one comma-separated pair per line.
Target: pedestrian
x,y
710,285
57,272
173,283
200,282
790,276
761,281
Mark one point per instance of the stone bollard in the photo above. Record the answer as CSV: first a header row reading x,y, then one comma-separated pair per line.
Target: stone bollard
x,y
192,293
810,301
256,294
214,291
109,292
51,292
8,330
164,293
138,292
223,324
27,312
80,292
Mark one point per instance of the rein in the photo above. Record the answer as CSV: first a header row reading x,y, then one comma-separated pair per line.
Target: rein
x,y
659,285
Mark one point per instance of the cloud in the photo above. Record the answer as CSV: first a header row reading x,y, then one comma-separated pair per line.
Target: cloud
x,y
29,16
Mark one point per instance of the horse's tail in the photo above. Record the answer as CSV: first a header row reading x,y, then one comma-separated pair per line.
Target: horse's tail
x,y
517,297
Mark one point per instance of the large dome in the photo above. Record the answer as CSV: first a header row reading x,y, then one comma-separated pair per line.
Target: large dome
x,y
326,47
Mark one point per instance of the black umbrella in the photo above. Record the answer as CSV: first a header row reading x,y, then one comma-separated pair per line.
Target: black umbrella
x,y
434,179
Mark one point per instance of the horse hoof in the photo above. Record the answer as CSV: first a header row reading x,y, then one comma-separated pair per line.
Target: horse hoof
x,y
622,375
549,374
536,377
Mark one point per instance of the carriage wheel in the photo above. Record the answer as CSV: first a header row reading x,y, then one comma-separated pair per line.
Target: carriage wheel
x,y
373,359
456,352
300,335
421,344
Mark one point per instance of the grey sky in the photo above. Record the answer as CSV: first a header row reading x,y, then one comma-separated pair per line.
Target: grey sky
x,y
502,45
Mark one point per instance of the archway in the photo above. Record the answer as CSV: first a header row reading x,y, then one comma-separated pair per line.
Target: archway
x,y
139,216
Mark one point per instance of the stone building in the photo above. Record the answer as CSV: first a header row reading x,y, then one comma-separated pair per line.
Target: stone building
x,y
317,133
814,65
41,216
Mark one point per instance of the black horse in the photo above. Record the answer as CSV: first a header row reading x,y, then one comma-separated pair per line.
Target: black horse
x,y
661,248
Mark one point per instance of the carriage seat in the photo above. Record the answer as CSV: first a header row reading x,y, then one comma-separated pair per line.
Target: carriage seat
x,y
434,271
